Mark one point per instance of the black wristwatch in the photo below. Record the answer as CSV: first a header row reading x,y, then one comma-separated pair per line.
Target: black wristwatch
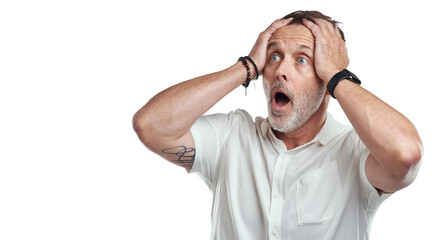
x,y
344,74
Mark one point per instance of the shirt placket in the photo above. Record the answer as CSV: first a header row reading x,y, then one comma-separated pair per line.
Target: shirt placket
x,y
277,197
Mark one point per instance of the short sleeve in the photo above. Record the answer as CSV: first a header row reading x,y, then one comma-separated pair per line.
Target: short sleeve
x,y
371,198
210,132
206,144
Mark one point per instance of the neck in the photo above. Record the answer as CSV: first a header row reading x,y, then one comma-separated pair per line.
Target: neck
x,y
307,131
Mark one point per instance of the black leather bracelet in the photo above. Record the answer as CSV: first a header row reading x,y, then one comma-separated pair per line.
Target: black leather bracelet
x,y
344,74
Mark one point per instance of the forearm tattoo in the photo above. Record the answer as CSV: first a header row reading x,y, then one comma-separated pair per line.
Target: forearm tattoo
x,y
184,156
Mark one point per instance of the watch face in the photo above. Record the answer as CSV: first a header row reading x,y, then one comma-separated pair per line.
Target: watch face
x,y
353,77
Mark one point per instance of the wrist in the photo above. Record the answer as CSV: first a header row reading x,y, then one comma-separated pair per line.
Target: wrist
x,y
258,64
251,69
329,75
341,88
342,75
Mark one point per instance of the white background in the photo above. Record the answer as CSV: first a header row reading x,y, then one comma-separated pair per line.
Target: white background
x,y
73,73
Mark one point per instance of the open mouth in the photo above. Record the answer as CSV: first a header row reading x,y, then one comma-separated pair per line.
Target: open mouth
x,y
281,99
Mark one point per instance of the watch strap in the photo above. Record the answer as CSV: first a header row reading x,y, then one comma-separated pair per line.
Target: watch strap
x,y
344,74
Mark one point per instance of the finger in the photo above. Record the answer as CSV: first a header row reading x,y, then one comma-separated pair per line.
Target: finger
x,y
338,32
325,26
322,23
278,24
328,26
284,21
288,20
309,24
313,27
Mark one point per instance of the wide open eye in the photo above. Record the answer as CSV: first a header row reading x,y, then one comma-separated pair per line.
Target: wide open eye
x,y
302,60
274,58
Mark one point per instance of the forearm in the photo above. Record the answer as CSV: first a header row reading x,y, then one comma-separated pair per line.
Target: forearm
x,y
391,137
173,111
164,123
393,141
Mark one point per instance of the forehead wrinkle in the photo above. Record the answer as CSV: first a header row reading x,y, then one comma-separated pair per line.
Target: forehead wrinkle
x,y
295,34
297,47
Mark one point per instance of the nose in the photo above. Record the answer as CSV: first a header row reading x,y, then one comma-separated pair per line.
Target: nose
x,y
283,70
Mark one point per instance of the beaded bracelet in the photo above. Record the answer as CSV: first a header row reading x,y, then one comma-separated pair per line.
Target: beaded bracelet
x,y
248,79
255,66
249,74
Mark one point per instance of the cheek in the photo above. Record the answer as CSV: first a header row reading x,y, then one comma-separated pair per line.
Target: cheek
x,y
267,88
307,85
266,85
312,73
268,75
307,70
266,72
310,77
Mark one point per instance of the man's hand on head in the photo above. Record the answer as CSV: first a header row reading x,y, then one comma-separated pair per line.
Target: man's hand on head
x,y
331,55
259,50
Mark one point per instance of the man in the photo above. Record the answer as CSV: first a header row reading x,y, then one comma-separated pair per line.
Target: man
x,y
297,174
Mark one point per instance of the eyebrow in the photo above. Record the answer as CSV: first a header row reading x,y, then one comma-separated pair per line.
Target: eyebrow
x,y
305,47
272,44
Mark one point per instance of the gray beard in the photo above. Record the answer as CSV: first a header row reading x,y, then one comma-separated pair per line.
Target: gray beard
x,y
304,106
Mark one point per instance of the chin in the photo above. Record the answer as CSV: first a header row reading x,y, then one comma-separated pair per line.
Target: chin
x,y
285,123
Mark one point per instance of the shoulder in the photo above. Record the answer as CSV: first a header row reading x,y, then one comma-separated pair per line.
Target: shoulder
x,y
225,124
243,115
238,117
333,132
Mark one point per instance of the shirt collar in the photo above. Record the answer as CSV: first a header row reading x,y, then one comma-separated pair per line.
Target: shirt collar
x,y
330,130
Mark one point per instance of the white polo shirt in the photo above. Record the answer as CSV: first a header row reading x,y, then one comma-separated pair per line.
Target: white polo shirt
x,y
262,191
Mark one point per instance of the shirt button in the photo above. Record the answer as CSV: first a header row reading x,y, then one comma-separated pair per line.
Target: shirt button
x,y
276,195
274,232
